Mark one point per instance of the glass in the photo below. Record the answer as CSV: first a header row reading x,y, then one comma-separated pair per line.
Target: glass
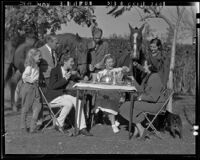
x,y
94,77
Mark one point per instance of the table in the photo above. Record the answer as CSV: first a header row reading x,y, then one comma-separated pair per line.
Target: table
x,y
85,86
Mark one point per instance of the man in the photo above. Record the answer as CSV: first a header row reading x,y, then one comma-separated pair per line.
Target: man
x,y
48,62
59,93
98,51
49,58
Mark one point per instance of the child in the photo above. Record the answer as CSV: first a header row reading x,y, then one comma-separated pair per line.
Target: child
x,y
29,91
106,101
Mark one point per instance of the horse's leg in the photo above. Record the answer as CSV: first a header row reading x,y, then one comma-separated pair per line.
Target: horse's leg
x,y
13,83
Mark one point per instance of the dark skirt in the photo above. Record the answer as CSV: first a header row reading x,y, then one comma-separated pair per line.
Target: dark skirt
x,y
108,101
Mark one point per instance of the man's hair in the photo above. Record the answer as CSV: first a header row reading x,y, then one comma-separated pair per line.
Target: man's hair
x,y
65,58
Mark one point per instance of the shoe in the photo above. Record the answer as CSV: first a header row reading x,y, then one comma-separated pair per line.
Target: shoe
x,y
60,129
34,131
117,123
115,128
85,132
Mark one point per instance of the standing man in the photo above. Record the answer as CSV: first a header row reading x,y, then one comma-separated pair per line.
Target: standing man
x,y
48,62
98,51
49,58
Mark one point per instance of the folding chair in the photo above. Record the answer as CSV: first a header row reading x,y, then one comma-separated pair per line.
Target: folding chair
x,y
166,95
51,113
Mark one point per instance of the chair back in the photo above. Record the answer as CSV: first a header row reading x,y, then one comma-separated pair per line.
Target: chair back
x,y
165,97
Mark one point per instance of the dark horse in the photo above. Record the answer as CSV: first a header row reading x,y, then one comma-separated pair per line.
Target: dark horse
x,y
135,55
15,51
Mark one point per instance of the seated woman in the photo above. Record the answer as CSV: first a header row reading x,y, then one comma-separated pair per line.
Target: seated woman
x,y
106,100
152,87
60,78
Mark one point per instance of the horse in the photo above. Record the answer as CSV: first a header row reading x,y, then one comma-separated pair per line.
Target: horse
x,y
135,54
76,46
15,55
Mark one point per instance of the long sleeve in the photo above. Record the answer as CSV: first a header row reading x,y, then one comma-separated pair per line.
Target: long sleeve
x,y
56,81
153,88
30,74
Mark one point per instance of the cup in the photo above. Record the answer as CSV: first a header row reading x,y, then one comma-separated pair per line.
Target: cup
x,y
94,77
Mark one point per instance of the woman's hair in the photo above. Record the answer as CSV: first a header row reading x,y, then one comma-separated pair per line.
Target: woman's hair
x,y
110,57
157,42
65,58
30,61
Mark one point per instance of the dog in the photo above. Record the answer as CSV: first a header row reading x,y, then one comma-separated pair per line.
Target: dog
x,y
173,124
169,122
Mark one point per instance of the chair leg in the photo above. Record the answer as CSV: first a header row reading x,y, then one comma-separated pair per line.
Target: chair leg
x,y
157,133
54,119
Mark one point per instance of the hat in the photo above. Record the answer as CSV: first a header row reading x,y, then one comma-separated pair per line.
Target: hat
x,y
97,32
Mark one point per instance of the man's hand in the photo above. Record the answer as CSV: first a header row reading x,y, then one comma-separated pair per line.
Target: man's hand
x,y
98,66
91,67
74,72
68,75
85,78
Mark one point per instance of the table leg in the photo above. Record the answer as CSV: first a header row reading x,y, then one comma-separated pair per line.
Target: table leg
x,y
131,115
76,112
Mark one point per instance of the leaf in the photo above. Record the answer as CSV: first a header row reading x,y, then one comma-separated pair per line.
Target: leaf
x,y
119,12
111,11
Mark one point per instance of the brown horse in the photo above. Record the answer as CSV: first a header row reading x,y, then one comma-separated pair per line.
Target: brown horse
x,y
77,47
15,54
135,54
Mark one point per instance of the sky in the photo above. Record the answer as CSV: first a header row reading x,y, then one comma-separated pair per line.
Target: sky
x,y
119,25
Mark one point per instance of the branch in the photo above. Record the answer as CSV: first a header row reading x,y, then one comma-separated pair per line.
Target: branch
x,y
138,12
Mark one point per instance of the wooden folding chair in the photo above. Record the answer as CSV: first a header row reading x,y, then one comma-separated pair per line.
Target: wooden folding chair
x,y
51,113
166,95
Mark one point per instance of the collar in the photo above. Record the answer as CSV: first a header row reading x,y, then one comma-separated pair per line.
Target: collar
x,y
49,48
63,71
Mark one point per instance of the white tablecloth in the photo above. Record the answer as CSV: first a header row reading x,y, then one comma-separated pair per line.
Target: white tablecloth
x,y
105,86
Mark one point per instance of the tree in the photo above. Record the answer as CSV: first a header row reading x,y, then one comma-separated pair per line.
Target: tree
x,y
41,19
156,12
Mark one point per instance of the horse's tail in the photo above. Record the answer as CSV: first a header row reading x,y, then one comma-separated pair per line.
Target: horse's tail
x,y
9,71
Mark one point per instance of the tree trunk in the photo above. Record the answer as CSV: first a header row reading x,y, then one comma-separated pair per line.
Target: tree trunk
x,y
172,62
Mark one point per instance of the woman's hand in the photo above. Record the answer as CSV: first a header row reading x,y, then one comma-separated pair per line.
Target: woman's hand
x,y
146,67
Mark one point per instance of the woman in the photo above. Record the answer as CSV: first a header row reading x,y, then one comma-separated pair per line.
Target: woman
x,y
147,101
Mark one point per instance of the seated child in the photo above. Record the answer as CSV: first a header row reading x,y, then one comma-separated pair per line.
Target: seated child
x,y
108,101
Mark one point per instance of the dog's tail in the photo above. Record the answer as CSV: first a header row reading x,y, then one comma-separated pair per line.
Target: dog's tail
x,y
186,116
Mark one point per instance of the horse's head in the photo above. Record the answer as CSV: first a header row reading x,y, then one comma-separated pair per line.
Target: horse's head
x,y
136,41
